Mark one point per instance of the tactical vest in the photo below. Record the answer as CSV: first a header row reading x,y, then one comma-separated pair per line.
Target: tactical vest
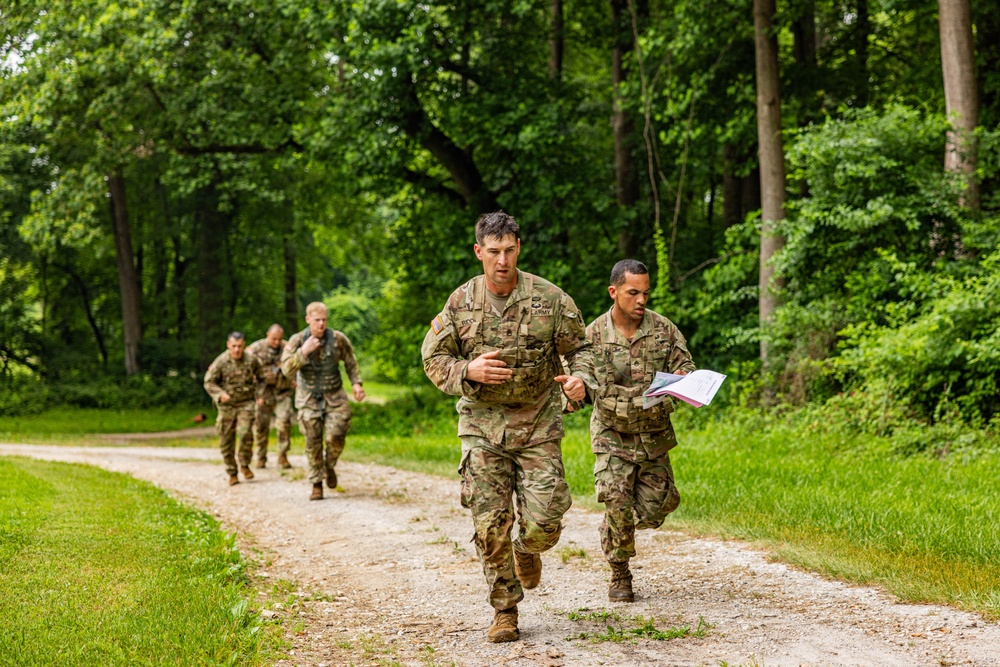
x,y
532,370
321,376
620,407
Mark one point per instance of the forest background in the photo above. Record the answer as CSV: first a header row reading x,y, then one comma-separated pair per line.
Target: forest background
x,y
813,185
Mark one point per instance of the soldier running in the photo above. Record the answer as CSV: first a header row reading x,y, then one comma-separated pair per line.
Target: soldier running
x,y
634,480
313,357
497,345
232,382
277,395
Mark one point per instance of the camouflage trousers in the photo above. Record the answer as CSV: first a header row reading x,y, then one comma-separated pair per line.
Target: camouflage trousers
x,y
281,409
233,424
492,478
635,496
326,429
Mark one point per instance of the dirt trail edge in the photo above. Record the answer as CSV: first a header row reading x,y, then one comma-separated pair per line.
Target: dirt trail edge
x,y
386,572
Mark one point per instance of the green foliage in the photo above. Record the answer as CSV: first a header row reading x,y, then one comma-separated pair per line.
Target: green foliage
x,y
103,569
27,396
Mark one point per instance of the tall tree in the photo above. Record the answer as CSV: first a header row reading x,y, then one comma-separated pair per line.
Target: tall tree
x,y
556,41
626,175
772,160
128,280
961,94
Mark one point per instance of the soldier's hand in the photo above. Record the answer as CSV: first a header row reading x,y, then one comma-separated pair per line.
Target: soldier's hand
x,y
573,387
310,345
359,392
260,401
223,397
487,369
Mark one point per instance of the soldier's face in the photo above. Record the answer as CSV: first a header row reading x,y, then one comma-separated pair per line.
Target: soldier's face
x,y
499,258
631,296
274,338
235,348
317,323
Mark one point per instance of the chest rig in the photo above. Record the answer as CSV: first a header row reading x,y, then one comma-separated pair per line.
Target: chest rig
x,y
532,367
620,405
321,376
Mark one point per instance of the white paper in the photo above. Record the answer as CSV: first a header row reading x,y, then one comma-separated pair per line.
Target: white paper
x,y
697,388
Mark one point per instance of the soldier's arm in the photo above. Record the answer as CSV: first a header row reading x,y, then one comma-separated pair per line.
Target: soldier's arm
x,y
291,357
442,358
585,363
261,373
211,384
347,354
570,333
679,358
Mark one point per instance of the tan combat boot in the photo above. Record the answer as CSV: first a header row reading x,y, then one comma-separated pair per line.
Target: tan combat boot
x,y
233,479
283,462
504,628
261,463
528,568
620,589
331,478
317,493
247,473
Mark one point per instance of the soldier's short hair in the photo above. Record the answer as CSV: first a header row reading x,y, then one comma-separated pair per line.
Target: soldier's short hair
x,y
315,306
275,327
633,266
236,335
497,224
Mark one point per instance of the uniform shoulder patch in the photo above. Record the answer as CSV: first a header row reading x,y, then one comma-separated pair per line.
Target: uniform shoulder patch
x,y
437,325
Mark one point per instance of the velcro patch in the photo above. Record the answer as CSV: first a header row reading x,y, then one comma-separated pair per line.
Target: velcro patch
x,y
437,326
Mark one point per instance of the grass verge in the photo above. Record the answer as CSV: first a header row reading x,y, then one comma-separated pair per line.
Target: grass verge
x,y
98,568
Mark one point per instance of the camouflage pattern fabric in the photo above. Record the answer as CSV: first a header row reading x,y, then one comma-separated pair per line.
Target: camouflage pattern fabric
x,y
277,395
324,416
325,430
233,425
283,413
633,475
535,477
636,496
510,432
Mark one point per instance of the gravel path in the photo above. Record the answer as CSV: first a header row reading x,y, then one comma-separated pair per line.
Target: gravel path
x,y
384,571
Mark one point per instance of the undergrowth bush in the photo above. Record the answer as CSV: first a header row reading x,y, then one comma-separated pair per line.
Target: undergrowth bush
x,y
27,396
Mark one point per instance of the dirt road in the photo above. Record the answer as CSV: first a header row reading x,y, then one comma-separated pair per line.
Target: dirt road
x,y
385,571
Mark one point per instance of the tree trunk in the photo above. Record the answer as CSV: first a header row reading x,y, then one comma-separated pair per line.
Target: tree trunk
x,y
213,228
772,160
88,311
556,42
960,93
291,292
863,29
732,187
626,177
127,279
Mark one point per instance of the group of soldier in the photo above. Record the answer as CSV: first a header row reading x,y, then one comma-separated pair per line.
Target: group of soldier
x,y
515,349
251,384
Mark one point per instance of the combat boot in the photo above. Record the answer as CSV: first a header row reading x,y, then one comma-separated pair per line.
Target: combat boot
x,y
247,473
528,568
620,589
283,462
504,628
261,463
317,493
331,478
233,479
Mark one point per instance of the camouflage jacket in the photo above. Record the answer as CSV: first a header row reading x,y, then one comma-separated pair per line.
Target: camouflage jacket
x,y
617,370
328,358
276,384
540,322
240,378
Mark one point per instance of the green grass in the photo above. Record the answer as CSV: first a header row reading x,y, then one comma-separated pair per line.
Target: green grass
x,y
73,421
97,568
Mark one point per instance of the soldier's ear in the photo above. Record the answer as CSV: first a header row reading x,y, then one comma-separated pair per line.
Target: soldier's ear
x,y
612,291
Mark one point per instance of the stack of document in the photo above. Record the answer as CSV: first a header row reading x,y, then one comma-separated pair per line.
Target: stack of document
x,y
697,388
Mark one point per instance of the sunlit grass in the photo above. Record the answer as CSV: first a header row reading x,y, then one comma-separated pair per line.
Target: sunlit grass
x,y
101,569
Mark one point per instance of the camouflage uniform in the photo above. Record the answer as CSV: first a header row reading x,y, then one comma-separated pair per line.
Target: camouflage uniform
x,y
633,475
320,399
239,378
510,432
277,395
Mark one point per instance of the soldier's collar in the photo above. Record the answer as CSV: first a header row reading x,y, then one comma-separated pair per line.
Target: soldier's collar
x,y
615,336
